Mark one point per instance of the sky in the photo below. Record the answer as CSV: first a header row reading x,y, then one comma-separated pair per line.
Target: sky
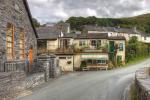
x,y
55,10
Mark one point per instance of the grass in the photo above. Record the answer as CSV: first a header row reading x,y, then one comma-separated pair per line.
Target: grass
x,y
133,92
137,60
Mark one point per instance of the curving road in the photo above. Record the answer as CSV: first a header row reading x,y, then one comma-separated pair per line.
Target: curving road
x,y
100,85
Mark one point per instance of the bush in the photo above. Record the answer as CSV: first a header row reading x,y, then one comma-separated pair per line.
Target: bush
x,y
110,65
83,65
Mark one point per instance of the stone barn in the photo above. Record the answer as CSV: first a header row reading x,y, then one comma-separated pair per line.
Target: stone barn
x,y
18,44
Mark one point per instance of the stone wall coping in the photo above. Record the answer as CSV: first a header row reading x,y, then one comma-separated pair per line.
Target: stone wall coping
x,y
143,78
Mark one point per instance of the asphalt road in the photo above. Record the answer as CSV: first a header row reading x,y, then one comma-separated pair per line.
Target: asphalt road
x,y
99,85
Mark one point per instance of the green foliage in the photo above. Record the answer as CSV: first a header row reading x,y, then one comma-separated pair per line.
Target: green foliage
x,y
133,92
142,22
110,65
105,48
119,61
83,65
136,49
35,22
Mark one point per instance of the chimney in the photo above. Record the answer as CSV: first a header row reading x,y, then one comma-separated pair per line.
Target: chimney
x,y
135,29
118,27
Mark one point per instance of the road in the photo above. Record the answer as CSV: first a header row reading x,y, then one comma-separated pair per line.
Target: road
x,y
99,85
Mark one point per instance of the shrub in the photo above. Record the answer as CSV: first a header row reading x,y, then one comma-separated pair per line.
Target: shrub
x,y
83,65
110,65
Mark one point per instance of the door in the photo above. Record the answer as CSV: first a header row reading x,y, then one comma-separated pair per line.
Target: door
x,y
111,46
30,59
111,50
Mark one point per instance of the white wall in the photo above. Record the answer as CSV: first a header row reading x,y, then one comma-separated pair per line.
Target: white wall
x,y
145,39
52,44
77,60
63,63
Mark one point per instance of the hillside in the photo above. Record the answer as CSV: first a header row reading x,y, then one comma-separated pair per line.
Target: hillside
x,y
142,22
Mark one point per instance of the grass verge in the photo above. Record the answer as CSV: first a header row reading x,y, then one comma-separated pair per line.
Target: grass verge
x,y
137,60
133,92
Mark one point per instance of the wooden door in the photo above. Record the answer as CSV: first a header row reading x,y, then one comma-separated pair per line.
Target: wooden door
x,y
30,59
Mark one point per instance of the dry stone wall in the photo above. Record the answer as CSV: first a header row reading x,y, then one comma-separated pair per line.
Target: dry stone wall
x,y
14,83
11,84
143,84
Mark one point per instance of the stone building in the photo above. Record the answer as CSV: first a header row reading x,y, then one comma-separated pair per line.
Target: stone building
x,y
17,34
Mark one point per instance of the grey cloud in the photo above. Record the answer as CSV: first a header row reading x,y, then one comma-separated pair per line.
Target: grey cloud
x,y
55,10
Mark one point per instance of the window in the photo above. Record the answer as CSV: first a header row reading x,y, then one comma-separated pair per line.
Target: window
x,y
93,43
102,61
82,43
62,57
99,43
10,41
89,62
121,47
99,61
4,39
22,44
69,57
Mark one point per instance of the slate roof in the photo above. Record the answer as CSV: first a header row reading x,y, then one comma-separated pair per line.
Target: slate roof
x,y
91,36
69,35
98,28
126,30
109,29
48,32
92,28
117,38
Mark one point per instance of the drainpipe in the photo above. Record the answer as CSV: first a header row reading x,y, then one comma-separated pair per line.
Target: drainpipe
x,y
73,62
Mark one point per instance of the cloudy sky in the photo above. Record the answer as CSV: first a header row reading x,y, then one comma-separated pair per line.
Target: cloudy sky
x,y
56,10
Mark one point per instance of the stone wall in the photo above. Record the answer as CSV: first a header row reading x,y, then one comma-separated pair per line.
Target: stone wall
x,y
34,80
14,83
142,82
11,84
14,12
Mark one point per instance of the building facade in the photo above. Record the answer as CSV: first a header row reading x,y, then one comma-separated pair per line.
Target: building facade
x,y
113,31
17,34
84,51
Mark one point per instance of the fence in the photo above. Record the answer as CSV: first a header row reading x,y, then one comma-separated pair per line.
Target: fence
x,y
14,66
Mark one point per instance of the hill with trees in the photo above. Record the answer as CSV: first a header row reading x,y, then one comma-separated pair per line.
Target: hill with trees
x,y
142,22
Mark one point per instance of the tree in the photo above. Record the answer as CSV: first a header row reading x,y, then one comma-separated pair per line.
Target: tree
x,y
136,49
36,23
141,22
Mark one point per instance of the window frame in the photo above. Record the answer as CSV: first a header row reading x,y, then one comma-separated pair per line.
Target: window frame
x,y
63,58
10,41
22,44
82,43
121,47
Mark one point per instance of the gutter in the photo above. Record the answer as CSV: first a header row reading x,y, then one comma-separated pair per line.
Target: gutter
x,y
30,16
